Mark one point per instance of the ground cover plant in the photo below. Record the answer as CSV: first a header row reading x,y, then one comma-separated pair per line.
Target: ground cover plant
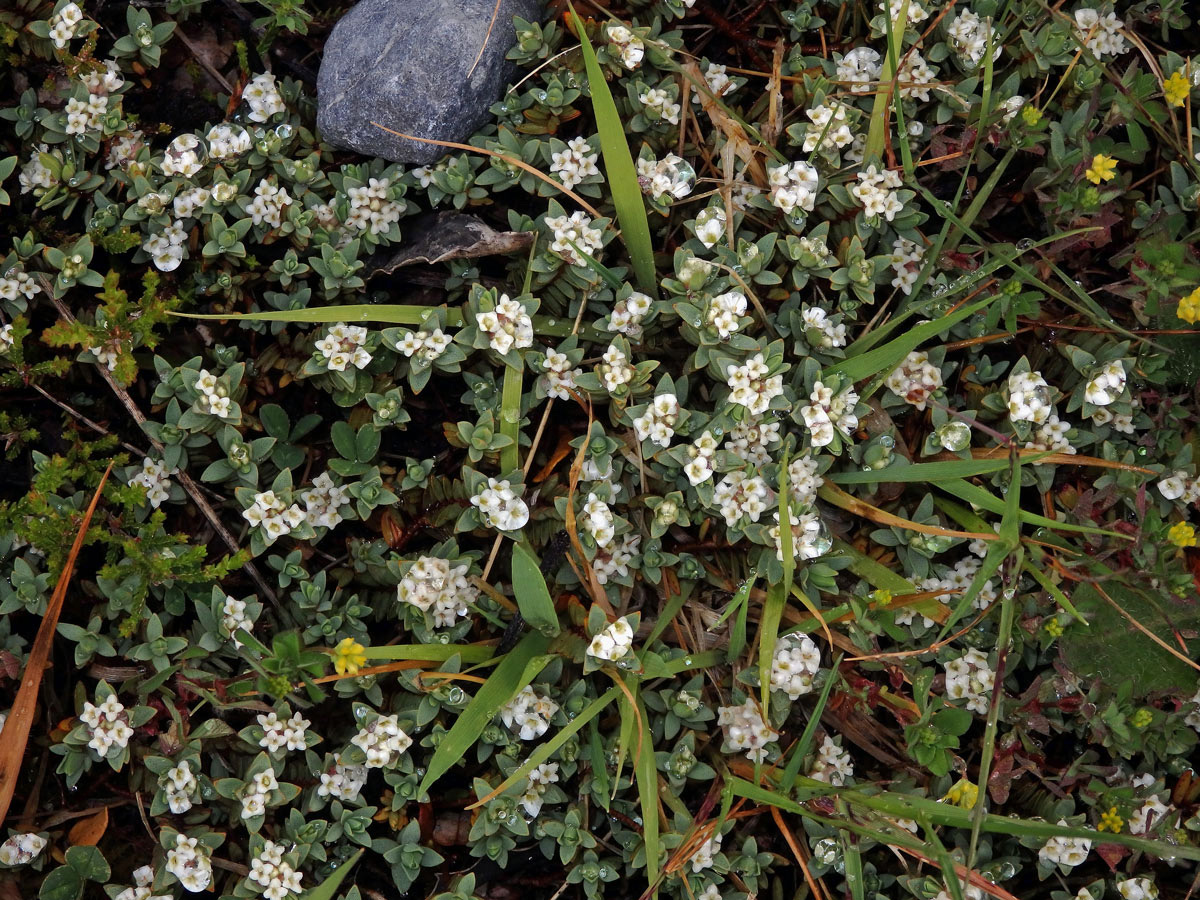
x,y
798,501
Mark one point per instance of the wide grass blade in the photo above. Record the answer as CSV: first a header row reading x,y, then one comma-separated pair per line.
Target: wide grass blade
x,y
619,168
328,888
547,749
471,653
533,597
514,672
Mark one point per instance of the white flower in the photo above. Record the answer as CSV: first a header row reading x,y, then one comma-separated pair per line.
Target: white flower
x,y
657,423
382,742
794,664
323,502
182,157
21,849
833,764
830,128
860,67
1101,34
576,230
263,97
500,507
1064,851
793,187
629,46
613,642
226,141
432,585
970,678
267,206
703,857
915,379
1029,398
1106,384
746,730
155,478
344,346
751,386
876,191
614,369
528,714
969,36
657,104
506,327
574,163
710,225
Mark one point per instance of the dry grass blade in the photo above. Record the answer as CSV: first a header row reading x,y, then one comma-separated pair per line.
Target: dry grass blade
x,y
733,131
20,719
830,493
511,160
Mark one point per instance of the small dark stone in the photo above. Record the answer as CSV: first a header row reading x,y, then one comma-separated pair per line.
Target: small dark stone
x,y
405,65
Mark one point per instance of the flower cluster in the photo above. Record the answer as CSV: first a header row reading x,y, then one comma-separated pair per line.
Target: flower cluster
x,y
507,326
746,730
657,423
343,781
614,642
669,177
575,162
275,517
560,376
906,260
1101,34
372,207
1064,851
257,793
142,887
876,191
234,618
741,496
262,95
970,35
155,478
528,714
382,742
827,414
432,585
627,314
628,45
64,23
214,399
323,501
537,782
751,385
658,103
833,764
21,849
290,734
500,506
970,678
1029,398
189,861
571,232
108,725
915,380
274,877
793,188
796,661
180,786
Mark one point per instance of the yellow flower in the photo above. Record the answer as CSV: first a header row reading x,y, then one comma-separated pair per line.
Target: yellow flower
x,y
1054,628
1031,115
1181,534
1176,88
349,656
881,597
1189,308
1103,168
1110,821
964,793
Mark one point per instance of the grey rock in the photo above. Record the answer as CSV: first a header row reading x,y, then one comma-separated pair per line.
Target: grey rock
x,y
407,64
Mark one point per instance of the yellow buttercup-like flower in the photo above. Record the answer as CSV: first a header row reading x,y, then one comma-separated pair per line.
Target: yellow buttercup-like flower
x,y
1189,307
349,656
1110,821
1175,89
1181,534
964,793
1103,168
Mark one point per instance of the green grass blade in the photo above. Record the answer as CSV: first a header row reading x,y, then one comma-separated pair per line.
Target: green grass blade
x,y
510,418
646,775
984,499
532,595
804,745
669,611
921,472
514,672
879,362
328,888
619,169
470,653
875,574
548,748
878,128
1054,591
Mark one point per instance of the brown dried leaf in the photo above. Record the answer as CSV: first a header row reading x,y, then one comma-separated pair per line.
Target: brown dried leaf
x,y
87,832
